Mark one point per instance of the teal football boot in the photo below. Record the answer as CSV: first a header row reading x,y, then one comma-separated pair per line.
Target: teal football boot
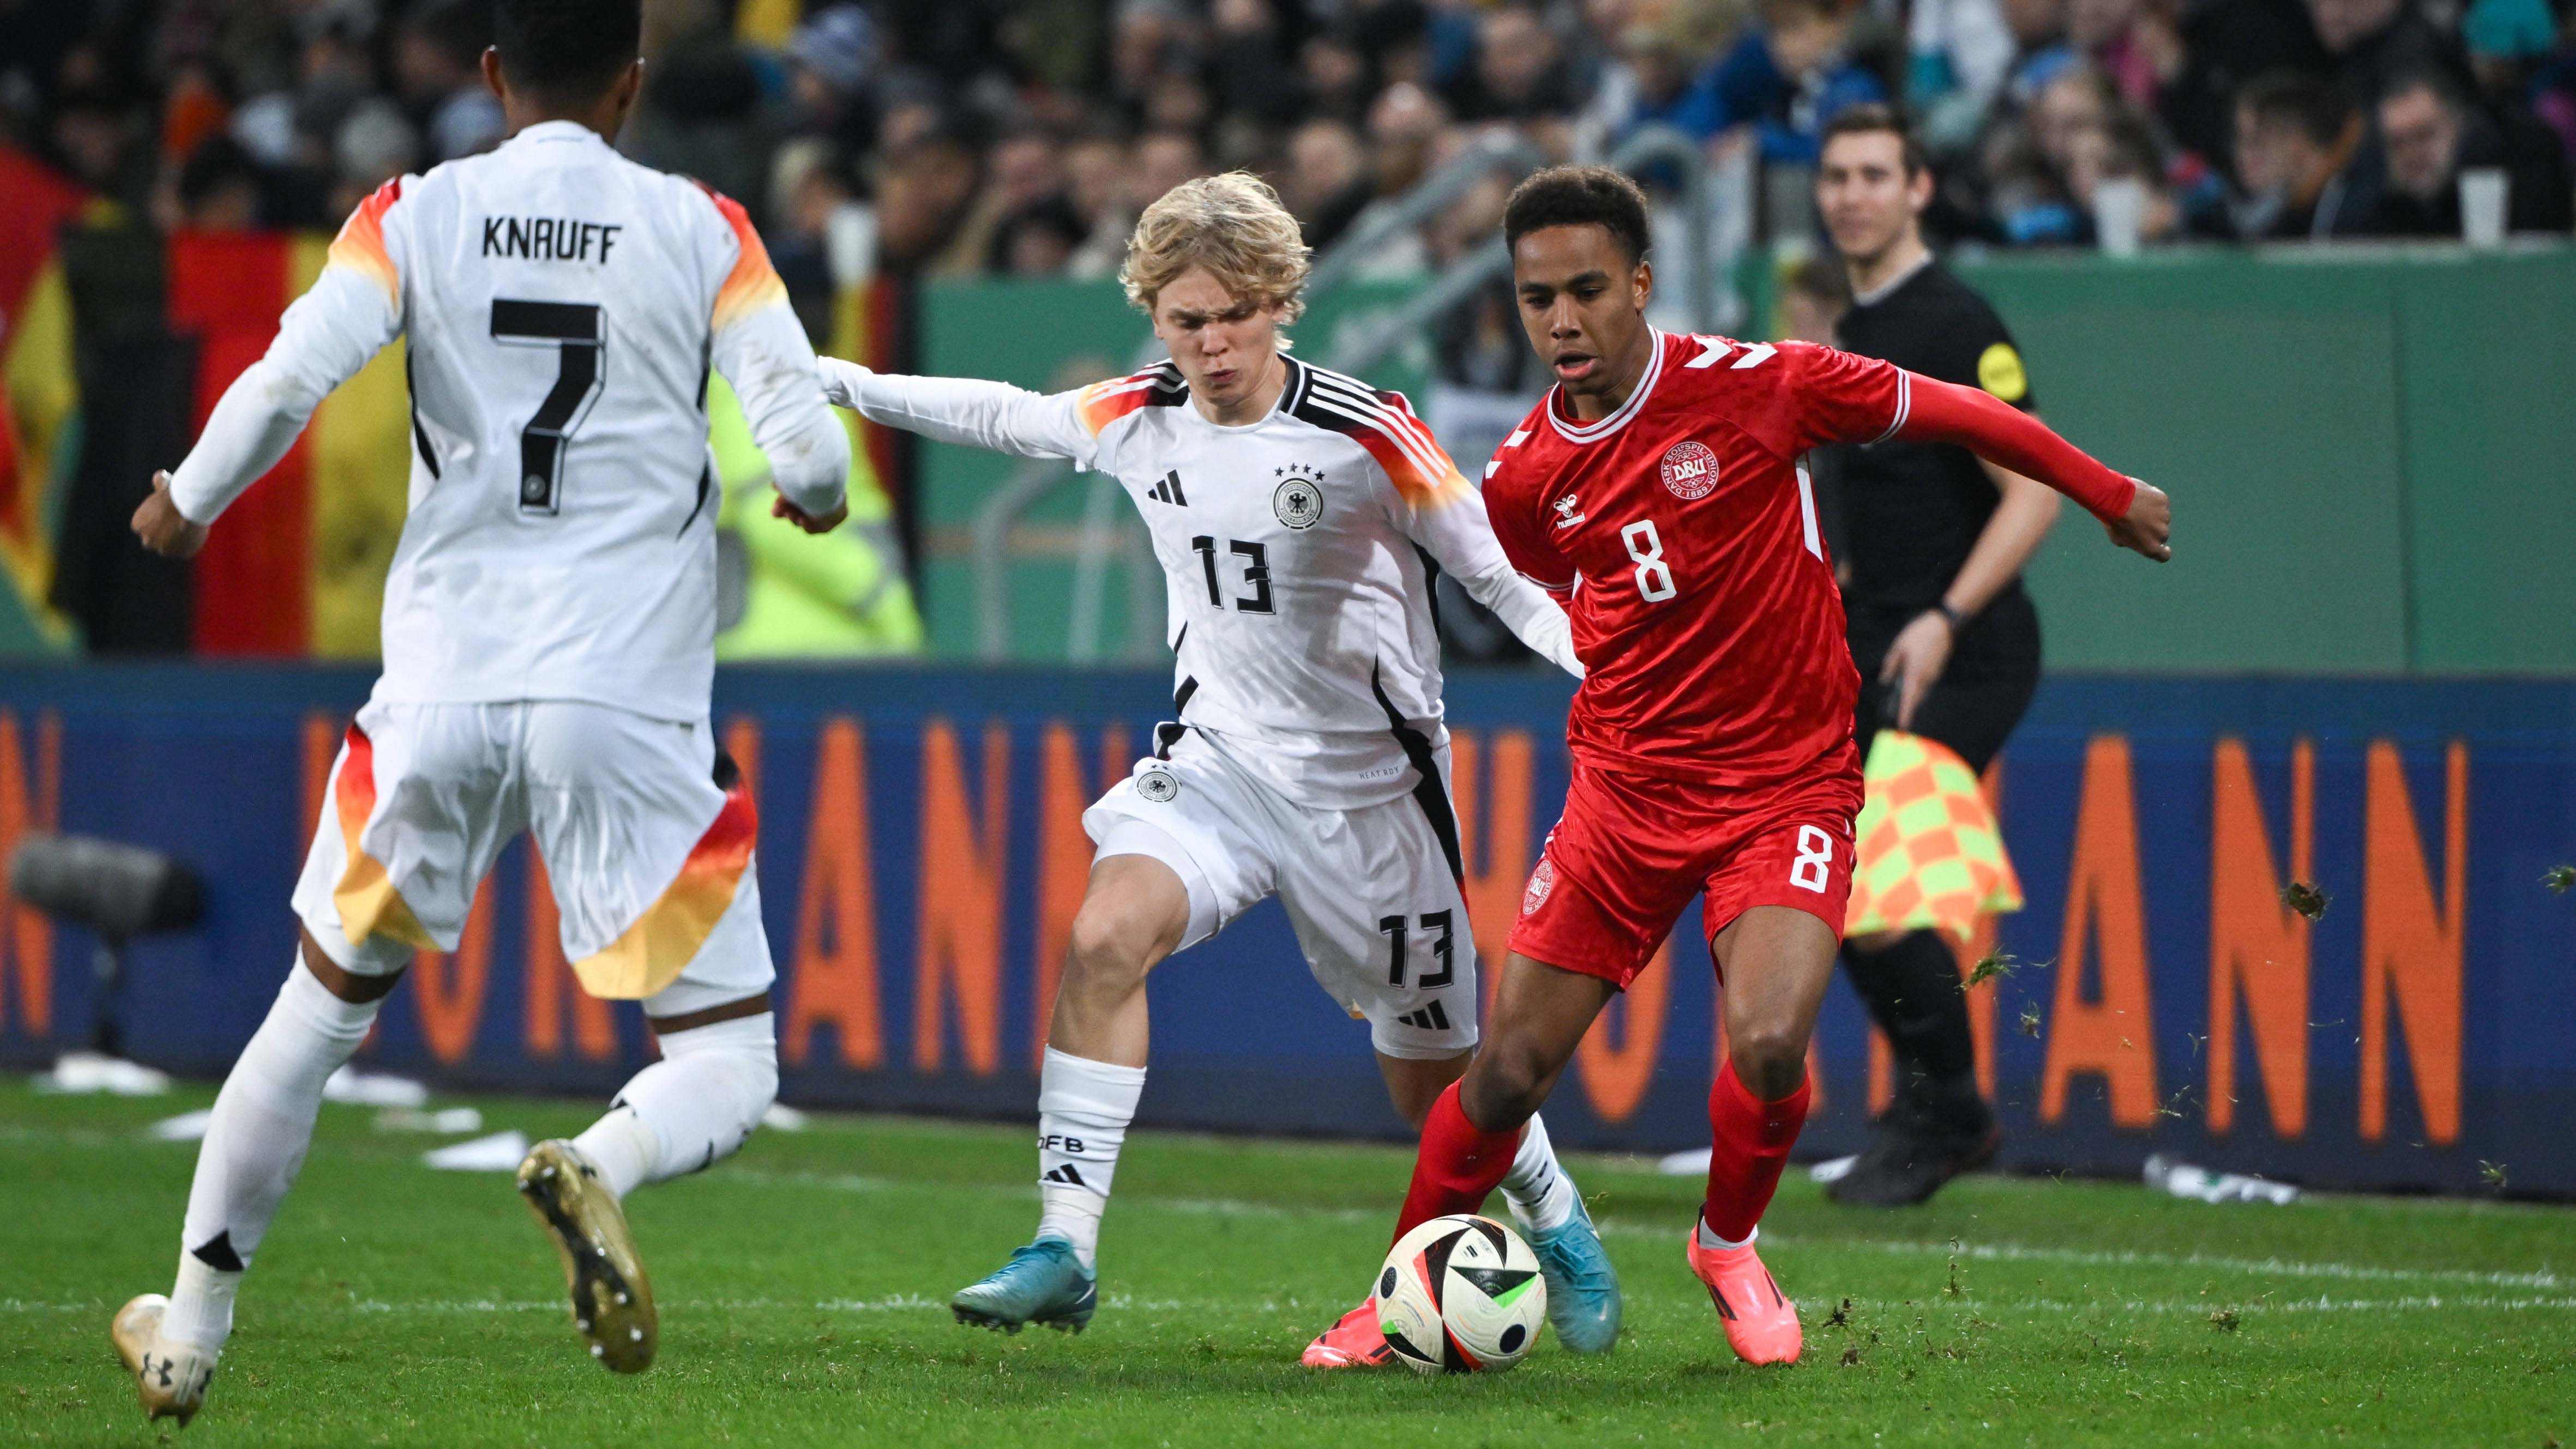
x,y
1583,1302
1043,1283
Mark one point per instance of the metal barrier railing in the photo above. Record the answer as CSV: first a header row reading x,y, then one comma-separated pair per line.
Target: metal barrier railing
x,y
1108,532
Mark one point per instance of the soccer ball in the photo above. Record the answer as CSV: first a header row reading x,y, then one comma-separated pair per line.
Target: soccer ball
x,y
1460,1295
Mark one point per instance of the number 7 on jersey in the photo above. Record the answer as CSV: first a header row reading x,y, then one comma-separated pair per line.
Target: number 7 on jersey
x,y
573,329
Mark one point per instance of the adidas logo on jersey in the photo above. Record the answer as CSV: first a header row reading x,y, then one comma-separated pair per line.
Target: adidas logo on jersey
x,y
1169,490
1429,1018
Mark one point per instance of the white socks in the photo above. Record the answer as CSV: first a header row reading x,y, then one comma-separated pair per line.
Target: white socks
x,y
1715,1243
1538,1191
691,1109
1083,1111
255,1141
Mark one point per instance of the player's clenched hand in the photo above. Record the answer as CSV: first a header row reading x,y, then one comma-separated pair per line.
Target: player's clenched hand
x,y
163,528
1915,661
811,522
2148,524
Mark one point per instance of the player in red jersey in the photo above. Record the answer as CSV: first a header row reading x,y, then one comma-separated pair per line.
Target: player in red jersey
x,y
1660,487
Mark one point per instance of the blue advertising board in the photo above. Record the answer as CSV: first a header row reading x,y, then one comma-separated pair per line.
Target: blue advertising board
x,y
921,856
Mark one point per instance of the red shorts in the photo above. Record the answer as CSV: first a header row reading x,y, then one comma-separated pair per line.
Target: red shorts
x,y
1632,849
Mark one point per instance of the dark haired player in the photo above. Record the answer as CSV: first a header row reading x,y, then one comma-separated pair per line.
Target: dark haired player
x,y
549,631
1659,486
1946,642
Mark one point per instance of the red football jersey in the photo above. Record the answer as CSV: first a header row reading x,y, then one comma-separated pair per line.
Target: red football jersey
x,y
1683,524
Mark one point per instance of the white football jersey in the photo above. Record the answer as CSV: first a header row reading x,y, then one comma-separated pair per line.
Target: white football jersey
x,y
1297,551
562,307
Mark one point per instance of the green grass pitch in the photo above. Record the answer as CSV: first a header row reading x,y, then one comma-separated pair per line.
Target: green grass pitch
x,y
803,1289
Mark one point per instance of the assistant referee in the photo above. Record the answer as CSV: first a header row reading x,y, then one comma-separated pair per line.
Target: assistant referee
x,y
1946,641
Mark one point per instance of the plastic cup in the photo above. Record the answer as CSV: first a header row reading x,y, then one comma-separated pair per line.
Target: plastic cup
x,y
2119,212
2482,204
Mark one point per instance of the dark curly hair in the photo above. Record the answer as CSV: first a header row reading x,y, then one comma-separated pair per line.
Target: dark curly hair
x,y
1579,196
567,49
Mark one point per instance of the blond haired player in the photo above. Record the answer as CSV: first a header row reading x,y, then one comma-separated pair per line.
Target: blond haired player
x,y
549,643
1299,517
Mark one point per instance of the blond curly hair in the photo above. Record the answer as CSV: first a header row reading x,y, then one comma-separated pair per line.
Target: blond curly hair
x,y
1233,225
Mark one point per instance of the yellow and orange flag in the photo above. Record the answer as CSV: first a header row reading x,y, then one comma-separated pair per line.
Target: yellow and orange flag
x,y
1930,852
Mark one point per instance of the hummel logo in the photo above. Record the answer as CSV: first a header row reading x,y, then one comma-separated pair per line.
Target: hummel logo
x,y
1429,1018
1066,1175
1169,490
1567,517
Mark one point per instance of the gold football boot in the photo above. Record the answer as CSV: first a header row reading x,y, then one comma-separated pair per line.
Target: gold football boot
x,y
612,1301
169,1378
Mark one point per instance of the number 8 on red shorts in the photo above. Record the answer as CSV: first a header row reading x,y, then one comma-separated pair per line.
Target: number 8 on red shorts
x,y
1631,850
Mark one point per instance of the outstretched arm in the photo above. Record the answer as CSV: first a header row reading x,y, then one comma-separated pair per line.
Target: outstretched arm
x,y
1530,612
990,415
756,343
1440,510
2137,515
352,311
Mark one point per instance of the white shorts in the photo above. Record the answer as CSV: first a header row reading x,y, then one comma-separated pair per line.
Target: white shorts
x,y
1373,892
643,825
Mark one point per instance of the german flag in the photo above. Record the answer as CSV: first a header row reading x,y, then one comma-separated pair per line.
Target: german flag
x,y
298,567
39,383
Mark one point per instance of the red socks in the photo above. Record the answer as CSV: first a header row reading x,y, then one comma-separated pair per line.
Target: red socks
x,y
1459,1166
1749,1144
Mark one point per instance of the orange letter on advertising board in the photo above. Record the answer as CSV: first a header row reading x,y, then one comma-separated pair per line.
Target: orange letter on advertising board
x,y
2111,1036
2410,944
1494,839
962,872
2257,946
1064,857
551,982
31,932
1615,1075
836,917
448,989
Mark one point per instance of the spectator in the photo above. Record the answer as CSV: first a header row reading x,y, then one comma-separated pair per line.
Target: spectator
x,y
1248,59
2372,42
437,66
2430,133
2295,135
218,189
2420,127
375,145
1095,169
1959,55
1334,74
1164,159
921,196
1405,123
1788,76
1037,240
2227,43
831,60
2133,42
1519,72
2032,161
1659,75
1327,182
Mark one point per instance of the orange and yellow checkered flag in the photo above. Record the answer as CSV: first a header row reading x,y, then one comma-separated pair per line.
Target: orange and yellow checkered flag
x,y
1930,852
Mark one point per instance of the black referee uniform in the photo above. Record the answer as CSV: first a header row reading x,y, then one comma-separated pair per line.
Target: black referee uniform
x,y
1911,512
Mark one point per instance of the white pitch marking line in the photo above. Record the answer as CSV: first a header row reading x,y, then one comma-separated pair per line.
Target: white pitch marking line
x,y
1985,1252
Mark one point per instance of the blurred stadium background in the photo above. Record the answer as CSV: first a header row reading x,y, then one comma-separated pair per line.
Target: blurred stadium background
x,y
2360,673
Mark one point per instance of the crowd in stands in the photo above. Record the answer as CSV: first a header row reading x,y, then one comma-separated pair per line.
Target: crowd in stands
x,y
1019,137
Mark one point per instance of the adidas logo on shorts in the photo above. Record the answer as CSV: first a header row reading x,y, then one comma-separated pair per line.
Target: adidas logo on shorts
x,y
1429,1018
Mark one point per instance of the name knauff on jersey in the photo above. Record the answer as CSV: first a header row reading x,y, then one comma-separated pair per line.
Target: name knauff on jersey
x,y
548,238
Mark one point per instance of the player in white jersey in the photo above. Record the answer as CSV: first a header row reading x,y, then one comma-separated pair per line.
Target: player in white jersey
x,y
1299,517
548,647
